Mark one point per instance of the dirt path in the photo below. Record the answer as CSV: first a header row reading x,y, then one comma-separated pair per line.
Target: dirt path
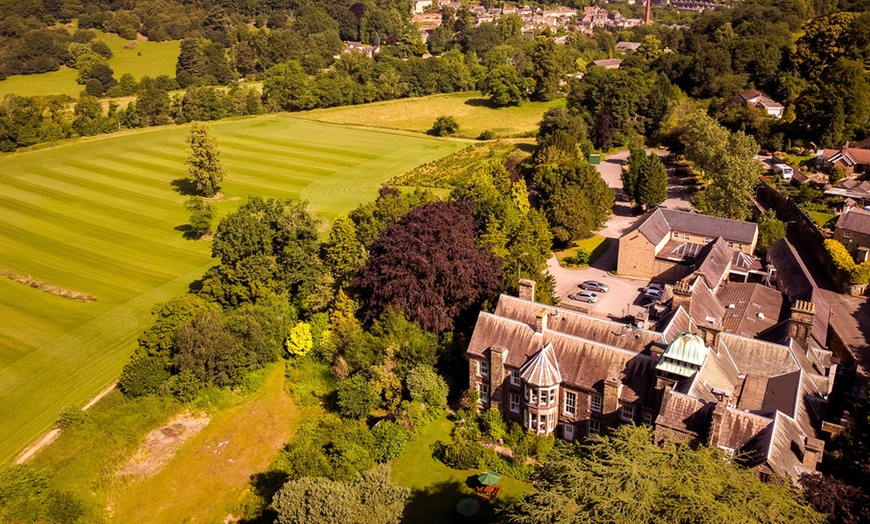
x,y
209,473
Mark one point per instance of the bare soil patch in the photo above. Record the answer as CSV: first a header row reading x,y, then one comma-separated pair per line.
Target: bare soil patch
x,y
161,444
62,292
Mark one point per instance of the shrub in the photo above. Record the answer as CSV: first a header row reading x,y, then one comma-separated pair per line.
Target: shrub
x,y
70,416
494,425
444,126
460,454
300,341
143,375
845,265
582,257
389,440
428,387
356,397
487,135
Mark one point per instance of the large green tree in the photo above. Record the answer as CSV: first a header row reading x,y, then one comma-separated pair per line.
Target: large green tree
x,y
576,200
626,478
652,182
546,71
203,160
504,86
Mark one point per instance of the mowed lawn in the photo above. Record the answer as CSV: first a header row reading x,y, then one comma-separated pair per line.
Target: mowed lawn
x,y
99,216
471,111
436,488
146,58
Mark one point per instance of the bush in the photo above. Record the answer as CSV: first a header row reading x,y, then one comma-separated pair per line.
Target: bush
x,y
582,257
356,398
428,387
487,135
444,126
300,341
845,265
389,440
461,454
143,375
494,425
70,416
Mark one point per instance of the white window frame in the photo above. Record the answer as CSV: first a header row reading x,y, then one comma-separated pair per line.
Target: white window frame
x,y
687,236
596,403
552,399
676,235
740,246
514,403
594,426
483,368
551,420
847,233
515,377
647,419
730,244
570,405
533,422
568,432
483,389
627,413
707,240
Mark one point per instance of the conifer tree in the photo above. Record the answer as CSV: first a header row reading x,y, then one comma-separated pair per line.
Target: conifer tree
x,y
651,187
203,160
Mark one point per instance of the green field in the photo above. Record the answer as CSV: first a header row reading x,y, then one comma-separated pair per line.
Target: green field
x,y
470,110
147,58
99,216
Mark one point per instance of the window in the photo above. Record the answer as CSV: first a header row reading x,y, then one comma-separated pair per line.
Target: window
x,y
543,425
675,234
740,247
570,403
534,396
568,432
595,403
647,419
594,426
515,377
686,237
551,420
533,421
706,240
483,368
730,244
515,403
484,392
847,233
552,396
628,413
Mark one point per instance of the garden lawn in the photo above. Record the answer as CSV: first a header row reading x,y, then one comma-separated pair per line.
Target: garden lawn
x,y
436,488
596,245
470,109
821,218
99,216
146,58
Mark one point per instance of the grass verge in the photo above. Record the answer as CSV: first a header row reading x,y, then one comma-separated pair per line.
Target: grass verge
x,y
436,488
596,245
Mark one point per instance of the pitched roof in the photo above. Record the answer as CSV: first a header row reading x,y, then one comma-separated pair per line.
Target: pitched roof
x,y
780,445
799,284
856,220
542,369
751,308
611,63
738,427
657,224
713,262
684,413
704,308
750,94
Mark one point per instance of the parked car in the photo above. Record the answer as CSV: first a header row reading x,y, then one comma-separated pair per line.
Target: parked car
x,y
655,287
584,296
594,285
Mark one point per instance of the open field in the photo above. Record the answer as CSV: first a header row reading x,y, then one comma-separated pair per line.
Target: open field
x,y
470,110
98,216
147,58
436,488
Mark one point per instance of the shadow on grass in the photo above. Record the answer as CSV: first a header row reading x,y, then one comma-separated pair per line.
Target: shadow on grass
x,y
527,148
187,232
184,186
480,102
437,504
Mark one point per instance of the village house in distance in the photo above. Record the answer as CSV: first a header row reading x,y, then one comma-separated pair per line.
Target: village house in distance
x,y
738,364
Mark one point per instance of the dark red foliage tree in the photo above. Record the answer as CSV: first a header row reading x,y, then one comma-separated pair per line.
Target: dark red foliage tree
x,y
843,503
428,266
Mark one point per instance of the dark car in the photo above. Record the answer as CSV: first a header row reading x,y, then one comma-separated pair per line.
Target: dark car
x,y
594,285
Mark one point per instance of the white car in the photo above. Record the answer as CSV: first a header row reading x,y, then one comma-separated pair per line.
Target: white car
x,y
584,296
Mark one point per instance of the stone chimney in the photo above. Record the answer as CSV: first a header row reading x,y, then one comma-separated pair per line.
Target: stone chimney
x,y
710,333
541,321
527,289
610,400
801,322
641,320
497,376
813,451
682,295
716,423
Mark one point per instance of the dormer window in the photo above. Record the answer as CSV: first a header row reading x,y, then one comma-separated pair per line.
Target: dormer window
x,y
483,368
595,403
515,378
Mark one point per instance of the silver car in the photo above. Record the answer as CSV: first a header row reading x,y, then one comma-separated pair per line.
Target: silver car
x,y
594,285
584,296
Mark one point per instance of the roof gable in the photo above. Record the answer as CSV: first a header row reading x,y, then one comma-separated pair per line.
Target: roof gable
x,y
542,369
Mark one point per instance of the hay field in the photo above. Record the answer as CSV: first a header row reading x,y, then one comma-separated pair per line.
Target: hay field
x,y
98,216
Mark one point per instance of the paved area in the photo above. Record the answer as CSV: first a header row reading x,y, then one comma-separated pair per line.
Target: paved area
x,y
624,292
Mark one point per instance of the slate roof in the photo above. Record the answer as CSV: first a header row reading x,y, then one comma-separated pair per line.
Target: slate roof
x,y
713,262
799,284
780,445
657,224
627,47
856,220
704,308
738,427
542,369
610,63
685,414
750,301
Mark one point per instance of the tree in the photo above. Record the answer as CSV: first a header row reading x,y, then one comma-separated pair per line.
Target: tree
x,y
626,478
444,126
356,398
204,348
631,171
426,386
203,160
576,200
842,502
545,70
428,266
770,230
369,498
299,341
652,182
342,252
389,440
201,216
504,86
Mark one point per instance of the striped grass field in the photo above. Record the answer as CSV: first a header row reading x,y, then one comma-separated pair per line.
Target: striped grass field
x,y
99,216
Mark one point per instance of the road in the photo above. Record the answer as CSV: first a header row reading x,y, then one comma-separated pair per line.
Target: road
x,y
624,292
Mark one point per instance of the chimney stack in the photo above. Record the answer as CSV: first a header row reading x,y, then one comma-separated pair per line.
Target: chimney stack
x,y
813,451
682,295
801,322
527,289
541,321
716,423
